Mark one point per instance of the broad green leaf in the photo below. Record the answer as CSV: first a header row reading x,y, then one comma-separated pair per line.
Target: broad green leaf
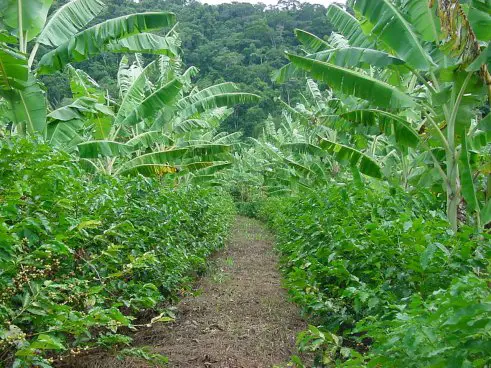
x,y
162,97
135,93
149,139
94,40
485,123
389,123
33,15
486,213
145,43
13,69
175,157
68,20
466,177
306,148
480,19
354,83
311,42
190,125
345,57
220,95
390,27
423,19
47,342
366,164
101,148
484,58
348,26
82,84
29,107
65,133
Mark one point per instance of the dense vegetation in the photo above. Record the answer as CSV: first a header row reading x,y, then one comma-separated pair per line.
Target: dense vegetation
x,y
380,274
371,163
82,257
241,43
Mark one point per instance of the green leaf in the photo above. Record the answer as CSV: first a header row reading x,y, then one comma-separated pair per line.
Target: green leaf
x,y
485,123
94,40
13,69
480,19
390,27
29,106
354,83
366,164
348,26
161,98
311,42
423,19
68,20
218,95
345,57
390,124
145,43
486,213
467,182
135,93
65,133
33,15
96,149
82,84
149,139
175,157
47,342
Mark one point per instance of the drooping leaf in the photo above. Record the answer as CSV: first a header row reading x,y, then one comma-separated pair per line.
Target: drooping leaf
x,y
33,15
162,97
348,26
311,42
344,57
389,123
354,83
29,107
468,188
389,26
82,84
213,97
135,93
13,69
190,125
423,18
102,148
65,133
145,43
149,139
68,20
176,157
365,164
94,40
480,19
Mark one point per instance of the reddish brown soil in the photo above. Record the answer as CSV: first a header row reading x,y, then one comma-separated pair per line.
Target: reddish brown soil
x,y
240,317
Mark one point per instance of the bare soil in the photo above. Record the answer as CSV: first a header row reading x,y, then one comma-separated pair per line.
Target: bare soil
x,y
240,317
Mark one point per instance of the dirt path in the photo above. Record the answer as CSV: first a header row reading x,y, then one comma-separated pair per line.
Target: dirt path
x,y
240,318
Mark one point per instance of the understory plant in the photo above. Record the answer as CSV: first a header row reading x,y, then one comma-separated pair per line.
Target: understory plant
x,y
82,257
383,278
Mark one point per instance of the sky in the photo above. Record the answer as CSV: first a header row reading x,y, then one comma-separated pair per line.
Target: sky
x,y
272,2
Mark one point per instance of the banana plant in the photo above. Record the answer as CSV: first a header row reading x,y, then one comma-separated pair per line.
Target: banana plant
x,y
67,38
419,71
161,124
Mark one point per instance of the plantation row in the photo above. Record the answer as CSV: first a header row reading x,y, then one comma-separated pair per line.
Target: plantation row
x,y
82,257
377,182
383,279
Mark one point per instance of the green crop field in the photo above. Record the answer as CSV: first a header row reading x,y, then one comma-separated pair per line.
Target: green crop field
x,y
136,136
